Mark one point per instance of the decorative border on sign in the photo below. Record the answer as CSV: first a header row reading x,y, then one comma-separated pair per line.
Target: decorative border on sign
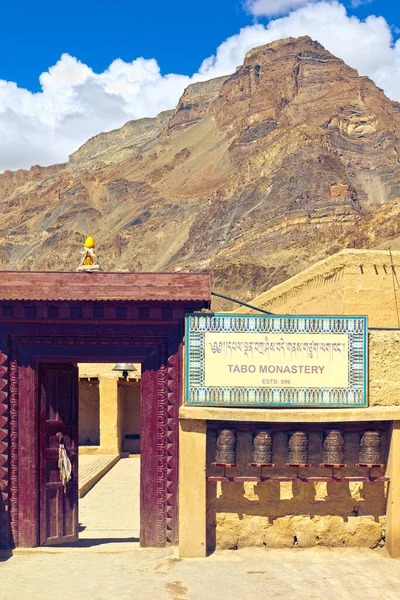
x,y
197,393
167,406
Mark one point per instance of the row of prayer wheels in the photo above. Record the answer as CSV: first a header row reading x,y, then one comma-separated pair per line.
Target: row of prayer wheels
x,y
333,447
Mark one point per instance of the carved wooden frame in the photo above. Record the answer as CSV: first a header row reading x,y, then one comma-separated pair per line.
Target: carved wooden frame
x,y
168,396
5,424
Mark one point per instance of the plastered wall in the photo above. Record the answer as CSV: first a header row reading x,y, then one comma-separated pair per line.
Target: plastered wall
x,y
384,368
130,400
129,396
279,515
89,414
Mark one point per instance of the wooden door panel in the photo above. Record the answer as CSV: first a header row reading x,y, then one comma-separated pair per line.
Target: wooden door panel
x,y
52,501
70,512
58,389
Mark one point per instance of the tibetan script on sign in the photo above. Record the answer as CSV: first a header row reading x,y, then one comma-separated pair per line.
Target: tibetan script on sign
x,y
242,360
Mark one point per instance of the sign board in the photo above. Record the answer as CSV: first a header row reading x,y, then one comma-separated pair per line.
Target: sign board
x,y
251,360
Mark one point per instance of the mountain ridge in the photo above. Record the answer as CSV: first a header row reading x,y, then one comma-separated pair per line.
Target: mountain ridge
x,y
253,176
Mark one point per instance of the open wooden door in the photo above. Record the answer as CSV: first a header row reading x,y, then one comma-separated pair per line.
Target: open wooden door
x,y
58,392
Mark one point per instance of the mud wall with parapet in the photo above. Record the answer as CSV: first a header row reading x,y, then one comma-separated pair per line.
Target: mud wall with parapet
x,y
320,293
282,515
351,282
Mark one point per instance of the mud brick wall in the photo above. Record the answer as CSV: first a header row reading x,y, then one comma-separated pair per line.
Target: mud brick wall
x,y
304,514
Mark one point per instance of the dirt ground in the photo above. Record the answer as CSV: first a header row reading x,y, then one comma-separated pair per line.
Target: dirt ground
x,y
124,571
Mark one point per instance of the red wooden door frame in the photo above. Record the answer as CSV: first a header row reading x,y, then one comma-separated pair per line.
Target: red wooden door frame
x,y
161,360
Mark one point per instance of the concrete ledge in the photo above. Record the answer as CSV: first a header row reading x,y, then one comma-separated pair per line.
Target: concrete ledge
x,y
93,471
289,415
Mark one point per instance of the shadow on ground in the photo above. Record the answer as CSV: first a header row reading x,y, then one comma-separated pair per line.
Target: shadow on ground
x,y
88,543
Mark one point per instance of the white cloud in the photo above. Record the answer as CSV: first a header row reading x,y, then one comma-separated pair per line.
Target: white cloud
x,y
76,103
358,3
271,8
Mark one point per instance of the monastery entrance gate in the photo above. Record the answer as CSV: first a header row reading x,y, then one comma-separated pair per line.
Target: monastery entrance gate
x,y
48,323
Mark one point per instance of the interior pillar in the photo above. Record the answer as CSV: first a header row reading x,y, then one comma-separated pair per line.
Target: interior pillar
x,y
110,431
192,489
393,502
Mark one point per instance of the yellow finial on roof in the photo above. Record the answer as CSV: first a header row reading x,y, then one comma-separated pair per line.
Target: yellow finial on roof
x,y
89,243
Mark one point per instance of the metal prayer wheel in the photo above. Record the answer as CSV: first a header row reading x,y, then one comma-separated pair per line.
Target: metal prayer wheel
x,y
370,448
333,448
225,452
261,452
298,448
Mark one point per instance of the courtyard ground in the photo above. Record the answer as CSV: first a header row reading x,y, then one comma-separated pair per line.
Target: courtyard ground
x,y
147,574
108,564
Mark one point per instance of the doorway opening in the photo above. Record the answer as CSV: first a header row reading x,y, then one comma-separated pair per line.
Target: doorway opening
x,y
109,453
47,379
90,453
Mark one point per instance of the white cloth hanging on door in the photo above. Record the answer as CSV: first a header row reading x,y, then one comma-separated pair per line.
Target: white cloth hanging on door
x,y
64,464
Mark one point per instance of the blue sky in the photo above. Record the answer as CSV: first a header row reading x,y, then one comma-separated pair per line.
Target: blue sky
x,y
179,35
72,69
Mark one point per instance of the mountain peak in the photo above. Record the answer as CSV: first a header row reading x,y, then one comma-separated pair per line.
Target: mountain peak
x,y
253,177
291,44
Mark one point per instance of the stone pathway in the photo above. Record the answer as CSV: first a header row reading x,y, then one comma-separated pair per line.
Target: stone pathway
x,y
92,468
110,512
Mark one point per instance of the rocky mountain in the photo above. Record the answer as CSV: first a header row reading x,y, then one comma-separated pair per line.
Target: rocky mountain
x,y
253,176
